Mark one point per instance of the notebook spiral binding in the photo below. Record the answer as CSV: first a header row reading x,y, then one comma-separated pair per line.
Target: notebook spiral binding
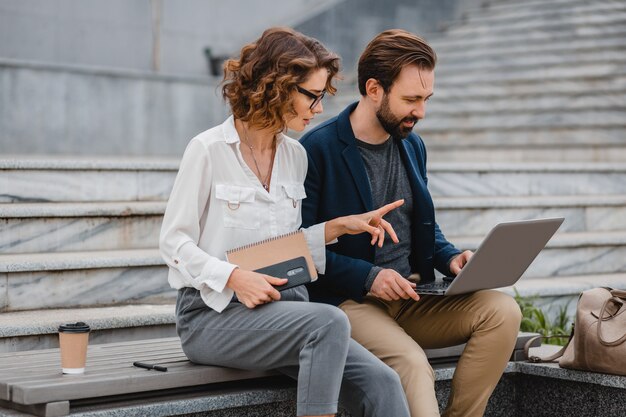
x,y
261,242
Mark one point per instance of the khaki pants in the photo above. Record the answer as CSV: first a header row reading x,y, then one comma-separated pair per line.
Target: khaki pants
x,y
397,331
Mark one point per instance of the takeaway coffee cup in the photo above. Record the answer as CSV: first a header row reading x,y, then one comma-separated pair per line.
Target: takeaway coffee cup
x,y
73,340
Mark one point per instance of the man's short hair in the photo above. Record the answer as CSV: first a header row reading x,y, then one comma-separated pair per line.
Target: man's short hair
x,y
389,52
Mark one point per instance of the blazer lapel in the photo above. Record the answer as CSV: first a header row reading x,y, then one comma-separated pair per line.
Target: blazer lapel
x,y
420,191
352,157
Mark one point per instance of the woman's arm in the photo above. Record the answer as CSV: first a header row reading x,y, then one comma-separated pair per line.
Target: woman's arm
x,y
371,222
181,229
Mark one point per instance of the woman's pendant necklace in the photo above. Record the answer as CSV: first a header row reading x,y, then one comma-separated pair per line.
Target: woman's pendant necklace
x,y
264,182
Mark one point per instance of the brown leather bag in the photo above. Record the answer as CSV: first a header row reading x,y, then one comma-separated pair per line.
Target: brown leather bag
x,y
598,343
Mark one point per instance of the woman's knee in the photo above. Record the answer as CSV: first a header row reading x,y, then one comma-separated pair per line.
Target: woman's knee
x,y
387,379
332,321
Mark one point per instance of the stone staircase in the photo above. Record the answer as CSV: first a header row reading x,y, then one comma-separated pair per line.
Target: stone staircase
x,y
78,241
528,120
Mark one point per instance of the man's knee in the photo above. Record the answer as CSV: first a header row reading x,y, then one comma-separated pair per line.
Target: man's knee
x,y
414,366
501,307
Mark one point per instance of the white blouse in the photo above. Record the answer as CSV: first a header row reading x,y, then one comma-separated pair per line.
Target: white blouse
x,y
217,204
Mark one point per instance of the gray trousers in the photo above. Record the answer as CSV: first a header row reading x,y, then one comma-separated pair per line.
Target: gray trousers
x,y
307,341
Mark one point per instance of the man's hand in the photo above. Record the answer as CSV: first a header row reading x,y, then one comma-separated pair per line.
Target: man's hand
x,y
459,261
252,288
389,285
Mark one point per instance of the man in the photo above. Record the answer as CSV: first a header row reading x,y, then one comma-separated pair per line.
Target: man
x,y
368,156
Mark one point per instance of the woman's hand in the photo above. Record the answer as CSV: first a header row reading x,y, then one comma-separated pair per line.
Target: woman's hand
x,y
252,288
371,222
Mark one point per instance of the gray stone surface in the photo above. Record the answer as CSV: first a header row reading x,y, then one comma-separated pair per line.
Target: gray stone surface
x,y
584,153
165,36
79,260
47,322
466,179
54,227
54,185
572,254
541,11
88,287
79,233
477,215
560,22
49,110
540,396
37,329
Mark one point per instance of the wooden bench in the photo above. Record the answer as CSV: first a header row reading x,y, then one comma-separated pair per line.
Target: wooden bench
x,y
32,382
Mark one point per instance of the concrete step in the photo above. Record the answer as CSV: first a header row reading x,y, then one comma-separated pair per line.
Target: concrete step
x,y
83,279
526,179
552,22
448,53
37,329
528,153
505,120
570,254
46,179
521,63
477,215
540,10
62,227
596,138
503,106
498,6
537,75
556,293
519,39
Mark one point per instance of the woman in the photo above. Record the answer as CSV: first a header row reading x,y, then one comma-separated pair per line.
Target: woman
x,y
242,182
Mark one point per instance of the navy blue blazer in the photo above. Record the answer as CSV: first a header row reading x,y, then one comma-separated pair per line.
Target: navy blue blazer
x,y
337,185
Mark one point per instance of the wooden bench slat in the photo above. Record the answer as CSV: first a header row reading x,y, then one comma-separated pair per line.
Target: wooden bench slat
x,y
55,409
48,374
165,341
54,360
136,380
34,377
93,366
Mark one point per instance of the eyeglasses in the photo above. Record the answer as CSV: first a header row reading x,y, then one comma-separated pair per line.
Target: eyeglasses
x,y
315,97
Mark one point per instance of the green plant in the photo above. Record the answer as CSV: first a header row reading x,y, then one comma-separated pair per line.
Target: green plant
x,y
535,320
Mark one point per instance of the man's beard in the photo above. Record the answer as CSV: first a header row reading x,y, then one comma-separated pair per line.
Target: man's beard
x,y
391,123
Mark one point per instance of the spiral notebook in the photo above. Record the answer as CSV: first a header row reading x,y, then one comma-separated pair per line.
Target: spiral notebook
x,y
284,256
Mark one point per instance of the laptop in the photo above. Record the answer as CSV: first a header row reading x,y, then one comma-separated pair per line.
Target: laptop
x,y
500,260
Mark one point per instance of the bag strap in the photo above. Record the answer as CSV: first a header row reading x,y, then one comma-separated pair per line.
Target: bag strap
x,y
601,319
550,358
619,294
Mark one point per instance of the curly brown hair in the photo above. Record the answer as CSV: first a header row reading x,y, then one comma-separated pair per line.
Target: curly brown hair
x,y
259,83
389,52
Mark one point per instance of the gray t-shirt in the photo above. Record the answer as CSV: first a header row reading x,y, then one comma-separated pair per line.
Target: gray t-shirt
x,y
389,182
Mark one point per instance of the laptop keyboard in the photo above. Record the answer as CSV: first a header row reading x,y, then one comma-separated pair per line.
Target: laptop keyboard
x,y
439,285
